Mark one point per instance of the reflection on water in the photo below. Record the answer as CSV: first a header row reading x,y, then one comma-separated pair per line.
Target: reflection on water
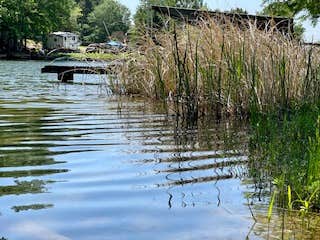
x,y
31,207
76,165
285,225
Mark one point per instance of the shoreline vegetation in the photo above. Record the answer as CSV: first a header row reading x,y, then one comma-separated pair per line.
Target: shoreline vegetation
x,y
269,79
108,57
232,71
212,68
221,70
76,56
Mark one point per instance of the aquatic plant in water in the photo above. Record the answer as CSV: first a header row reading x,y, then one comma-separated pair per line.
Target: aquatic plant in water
x,y
286,153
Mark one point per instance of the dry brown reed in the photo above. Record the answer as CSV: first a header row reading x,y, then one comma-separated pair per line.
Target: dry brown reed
x,y
228,69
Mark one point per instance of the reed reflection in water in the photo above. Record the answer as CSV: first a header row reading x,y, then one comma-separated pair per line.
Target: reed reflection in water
x,y
127,169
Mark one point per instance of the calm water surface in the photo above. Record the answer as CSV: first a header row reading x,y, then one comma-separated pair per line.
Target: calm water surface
x,y
76,163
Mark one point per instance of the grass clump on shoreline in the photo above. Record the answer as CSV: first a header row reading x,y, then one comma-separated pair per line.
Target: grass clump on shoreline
x,y
97,56
285,154
227,69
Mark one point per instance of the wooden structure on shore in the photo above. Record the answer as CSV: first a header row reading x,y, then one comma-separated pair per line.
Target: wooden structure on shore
x,y
265,23
65,73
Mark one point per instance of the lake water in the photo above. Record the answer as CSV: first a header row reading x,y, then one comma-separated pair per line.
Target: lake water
x,y
76,163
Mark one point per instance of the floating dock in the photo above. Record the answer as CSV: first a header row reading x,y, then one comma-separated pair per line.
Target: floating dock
x,y
65,73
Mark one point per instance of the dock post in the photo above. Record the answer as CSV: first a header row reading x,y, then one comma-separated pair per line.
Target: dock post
x,y
65,76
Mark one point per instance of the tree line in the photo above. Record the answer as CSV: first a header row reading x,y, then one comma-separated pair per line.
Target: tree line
x,y
96,20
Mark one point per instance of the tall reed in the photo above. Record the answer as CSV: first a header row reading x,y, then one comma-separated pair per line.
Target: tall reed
x,y
228,69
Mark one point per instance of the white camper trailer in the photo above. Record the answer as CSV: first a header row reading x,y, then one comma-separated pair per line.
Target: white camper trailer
x,y
63,40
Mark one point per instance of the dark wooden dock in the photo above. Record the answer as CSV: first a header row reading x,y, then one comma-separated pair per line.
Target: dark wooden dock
x,y
65,73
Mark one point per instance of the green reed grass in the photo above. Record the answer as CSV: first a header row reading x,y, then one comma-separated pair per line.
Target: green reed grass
x,y
287,153
230,70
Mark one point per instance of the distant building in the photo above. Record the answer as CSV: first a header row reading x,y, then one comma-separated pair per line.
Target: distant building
x,y
281,24
63,40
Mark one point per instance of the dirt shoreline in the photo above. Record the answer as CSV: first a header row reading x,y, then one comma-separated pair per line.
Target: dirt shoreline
x,y
21,56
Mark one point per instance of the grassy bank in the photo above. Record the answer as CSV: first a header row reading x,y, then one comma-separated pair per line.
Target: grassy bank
x,y
97,56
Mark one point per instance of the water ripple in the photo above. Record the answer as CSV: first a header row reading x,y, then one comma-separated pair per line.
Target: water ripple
x,y
79,166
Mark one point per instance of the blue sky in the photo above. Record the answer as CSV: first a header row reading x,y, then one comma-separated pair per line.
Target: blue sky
x,y
252,6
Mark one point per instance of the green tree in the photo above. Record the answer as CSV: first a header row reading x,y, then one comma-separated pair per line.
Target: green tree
x,y
144,17
32,19
284,9
238,10
106,18
73,23
277,9
87,7
194,4
310,7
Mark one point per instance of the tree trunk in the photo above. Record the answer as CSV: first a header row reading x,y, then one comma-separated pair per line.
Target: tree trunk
x,y
12,46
